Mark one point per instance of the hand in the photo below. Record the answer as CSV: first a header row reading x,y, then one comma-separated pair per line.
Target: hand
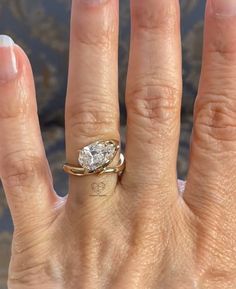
x,y
144,234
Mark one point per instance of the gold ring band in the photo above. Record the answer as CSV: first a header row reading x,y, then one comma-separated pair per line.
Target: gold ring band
x,y
80,172
96,158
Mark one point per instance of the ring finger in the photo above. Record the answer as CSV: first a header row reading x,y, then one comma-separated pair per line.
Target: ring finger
x,y
92,99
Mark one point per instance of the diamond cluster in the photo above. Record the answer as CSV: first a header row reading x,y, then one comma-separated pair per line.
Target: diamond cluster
x,y
96,155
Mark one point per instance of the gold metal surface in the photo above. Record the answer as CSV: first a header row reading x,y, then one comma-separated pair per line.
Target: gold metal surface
x,y
81,172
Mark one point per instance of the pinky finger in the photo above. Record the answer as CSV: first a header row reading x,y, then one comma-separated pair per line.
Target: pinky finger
x,y
23,167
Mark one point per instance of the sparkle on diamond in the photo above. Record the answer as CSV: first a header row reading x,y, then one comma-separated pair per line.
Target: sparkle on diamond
x,y
96,155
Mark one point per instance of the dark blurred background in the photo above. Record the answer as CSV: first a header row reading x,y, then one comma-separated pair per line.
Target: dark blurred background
x,y
41,27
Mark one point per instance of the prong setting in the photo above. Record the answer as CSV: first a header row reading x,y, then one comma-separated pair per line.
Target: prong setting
x,y
95,157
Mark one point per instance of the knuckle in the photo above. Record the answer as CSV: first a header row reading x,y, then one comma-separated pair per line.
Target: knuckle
x,y
27,274
13,110
92,33
223,53
215,116
24,277
221,43
96,38
89,120
20,169
155,104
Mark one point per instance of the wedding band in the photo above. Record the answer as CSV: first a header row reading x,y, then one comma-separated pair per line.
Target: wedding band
x,y
95,158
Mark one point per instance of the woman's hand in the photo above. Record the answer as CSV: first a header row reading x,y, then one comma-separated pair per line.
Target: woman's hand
x,y
144,233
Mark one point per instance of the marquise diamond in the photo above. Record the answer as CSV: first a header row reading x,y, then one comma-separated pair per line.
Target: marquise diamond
x,y
96,155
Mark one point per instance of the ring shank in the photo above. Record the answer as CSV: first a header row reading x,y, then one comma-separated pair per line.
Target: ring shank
x,y
80,172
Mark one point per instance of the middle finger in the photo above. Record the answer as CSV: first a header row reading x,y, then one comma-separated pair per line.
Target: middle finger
x,y
153,96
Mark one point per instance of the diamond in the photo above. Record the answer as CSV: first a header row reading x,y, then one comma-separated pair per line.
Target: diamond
x,y
96,155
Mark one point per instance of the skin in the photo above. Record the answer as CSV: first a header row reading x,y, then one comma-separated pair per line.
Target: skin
x,y
148,232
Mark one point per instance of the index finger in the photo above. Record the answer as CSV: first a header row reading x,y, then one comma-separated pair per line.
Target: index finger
x,y
24,170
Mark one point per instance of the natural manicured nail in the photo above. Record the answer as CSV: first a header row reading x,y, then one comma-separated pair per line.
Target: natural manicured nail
x,y
8,63
224,7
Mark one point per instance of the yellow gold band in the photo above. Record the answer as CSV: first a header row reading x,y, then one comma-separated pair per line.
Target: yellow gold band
x,y
80,172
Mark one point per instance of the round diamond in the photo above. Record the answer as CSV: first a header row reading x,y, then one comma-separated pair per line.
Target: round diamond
x,y
96,155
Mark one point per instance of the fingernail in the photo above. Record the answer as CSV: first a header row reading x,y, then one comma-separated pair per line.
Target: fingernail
x,y
8,63
224,7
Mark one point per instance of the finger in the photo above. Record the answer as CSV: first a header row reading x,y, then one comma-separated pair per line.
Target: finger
x,y
211,180
23,166
153,94
92,101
